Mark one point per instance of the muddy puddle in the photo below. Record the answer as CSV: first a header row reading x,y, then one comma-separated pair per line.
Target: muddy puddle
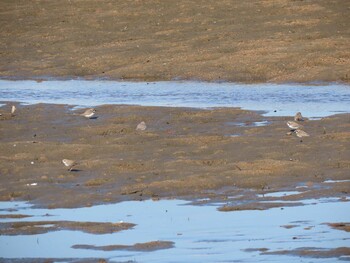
x,y
276,100
177,231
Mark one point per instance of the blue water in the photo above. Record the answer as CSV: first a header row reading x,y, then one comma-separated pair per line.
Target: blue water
x,y
200,233
276,100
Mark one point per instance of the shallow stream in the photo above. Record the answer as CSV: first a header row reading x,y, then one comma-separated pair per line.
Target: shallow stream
x,y
275,100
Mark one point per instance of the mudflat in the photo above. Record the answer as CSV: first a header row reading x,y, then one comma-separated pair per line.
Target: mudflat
x,y
223,155
241,41
184,153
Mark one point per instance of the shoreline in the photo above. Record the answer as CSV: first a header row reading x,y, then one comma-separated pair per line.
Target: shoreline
x,y
176,79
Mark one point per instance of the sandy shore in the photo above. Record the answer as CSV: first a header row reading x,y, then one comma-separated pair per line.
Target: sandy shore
x,y
246,41
183,153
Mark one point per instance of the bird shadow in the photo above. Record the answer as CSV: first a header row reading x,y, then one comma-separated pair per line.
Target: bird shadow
x,y
93,118
75,170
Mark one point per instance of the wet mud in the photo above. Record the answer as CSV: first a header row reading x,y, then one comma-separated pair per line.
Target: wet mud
x,y
148,246
257,206
341,226
41,227
240,41
184,153
315,253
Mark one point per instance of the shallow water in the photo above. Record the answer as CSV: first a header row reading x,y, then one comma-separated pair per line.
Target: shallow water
x,y
335,181
200,233
276,100
280,194
250,124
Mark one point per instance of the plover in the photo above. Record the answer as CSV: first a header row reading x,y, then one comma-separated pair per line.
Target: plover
x,y
293,125
69,163
89,113
301,133
298,117
13,109
141,126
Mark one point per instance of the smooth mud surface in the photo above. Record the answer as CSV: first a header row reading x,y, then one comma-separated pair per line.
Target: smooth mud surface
x,y
248,41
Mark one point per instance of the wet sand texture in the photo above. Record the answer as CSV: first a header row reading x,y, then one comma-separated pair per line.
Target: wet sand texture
x,y
315,252
148,246
249,41
41,227
183,153
341,226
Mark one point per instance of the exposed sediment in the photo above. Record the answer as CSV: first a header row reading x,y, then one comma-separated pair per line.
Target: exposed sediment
x,y
183,153
241,41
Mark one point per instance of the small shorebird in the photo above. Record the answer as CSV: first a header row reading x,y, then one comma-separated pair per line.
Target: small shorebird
x,y
89,113
141,126
298,117
69,163
293,125
301,133
13,109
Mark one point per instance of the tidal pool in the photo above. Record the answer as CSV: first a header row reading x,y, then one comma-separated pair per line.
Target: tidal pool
x,y
280,194
249,124
276,100
199,233
335,181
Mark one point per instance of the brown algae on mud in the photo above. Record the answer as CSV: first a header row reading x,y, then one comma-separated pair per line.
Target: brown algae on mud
x,y
40,227
339,253
148,246
341,226
257,206
184,153
247,41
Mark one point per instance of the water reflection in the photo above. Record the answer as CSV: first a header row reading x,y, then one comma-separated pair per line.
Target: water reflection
x,y
200,233
277,100
249,124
